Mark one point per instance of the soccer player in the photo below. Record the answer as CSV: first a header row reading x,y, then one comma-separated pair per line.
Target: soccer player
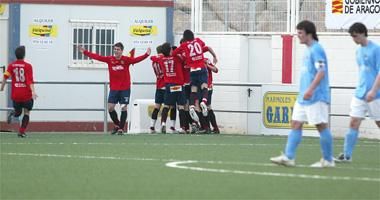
x,y
23,92
211,68
187,90
367,94
120,83
160,87
173,77
194,49
313,100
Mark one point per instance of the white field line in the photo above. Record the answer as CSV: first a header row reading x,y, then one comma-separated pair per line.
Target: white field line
x,y
269,137
179,165
163,144
170,160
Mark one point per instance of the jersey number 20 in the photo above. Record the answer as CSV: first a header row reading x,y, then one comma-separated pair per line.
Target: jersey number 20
x,y
195,49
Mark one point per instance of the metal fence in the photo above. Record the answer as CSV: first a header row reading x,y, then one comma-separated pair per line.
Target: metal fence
x,y
102,109
249,16
105,91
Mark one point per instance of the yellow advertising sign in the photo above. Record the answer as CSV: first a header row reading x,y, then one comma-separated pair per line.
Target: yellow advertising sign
x,y
43,30
151,108
278,109
141,30
2,9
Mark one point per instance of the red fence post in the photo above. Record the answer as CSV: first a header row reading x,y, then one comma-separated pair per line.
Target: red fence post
x,y
287,56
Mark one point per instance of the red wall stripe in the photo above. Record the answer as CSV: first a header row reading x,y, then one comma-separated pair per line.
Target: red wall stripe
x,y
59,127
287,56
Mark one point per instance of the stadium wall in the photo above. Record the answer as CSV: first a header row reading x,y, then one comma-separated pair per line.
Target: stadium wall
x,y
242,58
51,60
4,15
264,65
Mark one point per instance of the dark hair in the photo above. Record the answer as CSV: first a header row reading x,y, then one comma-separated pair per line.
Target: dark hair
x,y
120,45
309,28
182,41
188,35
166,48
159,49
20,52
358,28
174,47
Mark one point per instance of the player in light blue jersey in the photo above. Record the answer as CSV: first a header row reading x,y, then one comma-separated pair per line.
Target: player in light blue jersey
x,y
367,93
313,100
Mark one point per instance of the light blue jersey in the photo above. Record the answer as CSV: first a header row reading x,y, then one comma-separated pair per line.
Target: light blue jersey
x,y
314,60
368,59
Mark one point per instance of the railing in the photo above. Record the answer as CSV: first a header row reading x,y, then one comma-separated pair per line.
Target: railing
x,y
105,102
250,17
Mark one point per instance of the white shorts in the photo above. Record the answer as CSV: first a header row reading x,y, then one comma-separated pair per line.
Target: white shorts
x,y
360,108
313,114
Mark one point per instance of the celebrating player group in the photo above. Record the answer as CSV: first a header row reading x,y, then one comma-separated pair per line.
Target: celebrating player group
x,y
184,79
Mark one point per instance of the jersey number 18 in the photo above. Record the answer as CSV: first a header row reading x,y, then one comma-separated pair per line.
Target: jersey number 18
x,y
19,74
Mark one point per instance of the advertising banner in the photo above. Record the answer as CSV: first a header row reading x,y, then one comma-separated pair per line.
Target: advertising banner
x,y
341,14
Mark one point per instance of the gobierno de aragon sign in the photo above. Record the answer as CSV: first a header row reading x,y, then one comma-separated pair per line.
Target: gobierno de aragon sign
x,y
341,14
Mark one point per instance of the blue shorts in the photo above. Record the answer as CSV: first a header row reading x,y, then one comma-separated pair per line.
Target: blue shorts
x,y
18,105
174,97
119,96
160,96
197,78
187,89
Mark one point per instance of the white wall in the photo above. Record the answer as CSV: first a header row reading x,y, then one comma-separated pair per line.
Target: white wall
x,y
3,56
51,63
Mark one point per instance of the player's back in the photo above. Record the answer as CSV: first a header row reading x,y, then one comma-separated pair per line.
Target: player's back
x,y
368,59
158,71
194,53
22,76
172,67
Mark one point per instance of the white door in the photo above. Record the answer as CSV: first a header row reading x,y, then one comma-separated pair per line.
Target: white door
x,y
259,72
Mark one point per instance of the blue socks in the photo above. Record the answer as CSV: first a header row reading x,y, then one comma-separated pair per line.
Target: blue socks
x,y
350,141
326,142
294,138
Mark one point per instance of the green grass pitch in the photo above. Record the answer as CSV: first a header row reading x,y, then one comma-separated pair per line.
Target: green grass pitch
x,y
99,166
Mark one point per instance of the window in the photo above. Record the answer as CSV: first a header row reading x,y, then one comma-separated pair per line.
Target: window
x,y
95,36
